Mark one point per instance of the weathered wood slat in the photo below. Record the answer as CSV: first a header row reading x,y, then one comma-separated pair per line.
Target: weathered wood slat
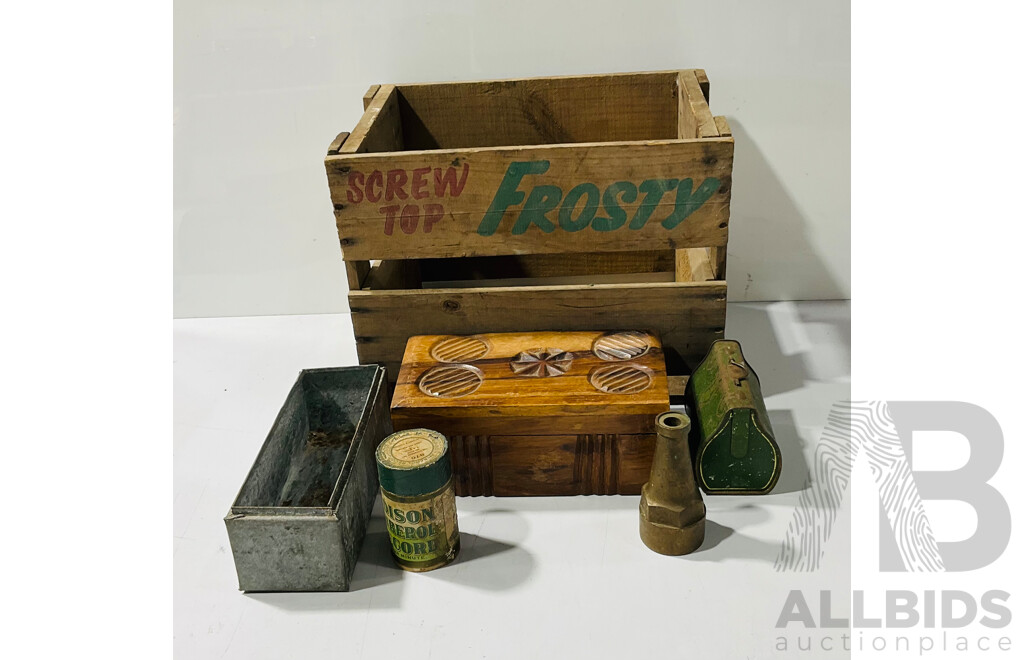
x,y
677,385
723,126
368,96
543,199
694,110
547,265
687,316
393,274
695,265
608,108
356,272
379,129
705,84
336,144
720,255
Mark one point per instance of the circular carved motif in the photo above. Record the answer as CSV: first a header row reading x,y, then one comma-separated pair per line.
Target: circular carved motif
x,y
449,381
621,378
460,349
618,346
542,362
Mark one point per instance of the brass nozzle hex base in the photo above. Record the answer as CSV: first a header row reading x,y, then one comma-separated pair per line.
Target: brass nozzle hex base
x,y
673,541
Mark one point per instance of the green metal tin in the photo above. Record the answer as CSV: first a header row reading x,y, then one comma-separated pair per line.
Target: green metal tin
x,y
736,452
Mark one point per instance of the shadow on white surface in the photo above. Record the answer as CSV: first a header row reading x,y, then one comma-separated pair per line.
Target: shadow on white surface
x,y
487,564
733,546
723,543
713,535
790,345
777,371
483,563
492,557
795,471
776,236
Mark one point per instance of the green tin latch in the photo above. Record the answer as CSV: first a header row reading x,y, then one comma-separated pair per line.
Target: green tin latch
x,y
735,450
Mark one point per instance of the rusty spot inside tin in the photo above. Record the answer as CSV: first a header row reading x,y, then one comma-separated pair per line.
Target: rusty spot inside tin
x,y
327,438
316,496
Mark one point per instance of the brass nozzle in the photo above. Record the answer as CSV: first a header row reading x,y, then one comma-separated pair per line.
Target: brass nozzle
x,y
671,510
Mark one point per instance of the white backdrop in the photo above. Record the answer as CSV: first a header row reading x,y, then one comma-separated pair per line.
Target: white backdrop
x,y
261,87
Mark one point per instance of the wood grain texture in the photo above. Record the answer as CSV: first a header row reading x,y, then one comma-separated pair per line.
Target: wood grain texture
x,y
689,168
622,162
393,274
379,129
356,272
720,257
723,126
335,145
677,385
368,96
585,464
694,112
455,425
705,84
413,183
519,435
695,265
506,394
547,265
687,317
557,110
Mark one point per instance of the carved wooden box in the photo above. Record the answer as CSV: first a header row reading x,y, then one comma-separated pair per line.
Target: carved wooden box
x,y
540,413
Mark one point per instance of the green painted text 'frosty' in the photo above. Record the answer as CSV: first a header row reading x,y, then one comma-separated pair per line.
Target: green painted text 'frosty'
x,y
547,207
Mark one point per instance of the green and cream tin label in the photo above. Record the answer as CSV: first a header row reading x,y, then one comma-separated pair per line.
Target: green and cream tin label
x,y
419,498
424,530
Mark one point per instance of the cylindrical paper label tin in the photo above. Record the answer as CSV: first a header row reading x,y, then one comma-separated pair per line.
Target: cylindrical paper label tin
x,y
415,473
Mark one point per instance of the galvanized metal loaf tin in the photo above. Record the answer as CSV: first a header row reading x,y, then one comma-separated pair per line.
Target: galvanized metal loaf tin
x,y
300,517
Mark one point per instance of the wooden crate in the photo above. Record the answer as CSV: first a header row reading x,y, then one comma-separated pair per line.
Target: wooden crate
x,y
571,203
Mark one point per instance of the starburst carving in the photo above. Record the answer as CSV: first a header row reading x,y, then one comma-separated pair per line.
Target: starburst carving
x,y
542,362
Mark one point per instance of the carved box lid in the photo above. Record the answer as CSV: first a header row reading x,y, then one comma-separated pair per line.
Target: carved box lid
x,y
532,383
